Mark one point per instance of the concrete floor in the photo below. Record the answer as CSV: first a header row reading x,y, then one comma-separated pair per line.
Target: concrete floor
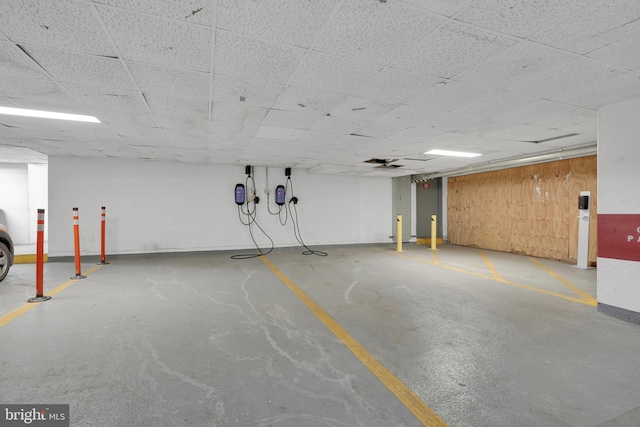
x,y
480,338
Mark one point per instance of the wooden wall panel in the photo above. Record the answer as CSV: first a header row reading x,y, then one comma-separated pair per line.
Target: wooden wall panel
x,y
530,210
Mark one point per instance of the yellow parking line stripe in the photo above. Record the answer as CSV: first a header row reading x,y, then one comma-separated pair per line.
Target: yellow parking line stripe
x,y
491,267
506,282
425,414
4,319
587,297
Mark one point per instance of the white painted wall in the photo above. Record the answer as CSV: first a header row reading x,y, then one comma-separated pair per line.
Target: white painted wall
x,y
167,207
14,200
618,193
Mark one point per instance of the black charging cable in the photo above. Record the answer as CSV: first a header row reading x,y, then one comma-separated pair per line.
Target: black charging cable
x,y
251,215
296,223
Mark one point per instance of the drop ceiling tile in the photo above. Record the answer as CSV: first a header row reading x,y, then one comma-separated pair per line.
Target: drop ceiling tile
x,y
184,123
192,155
332,74
277,133
138,141
170,105
524,133
317,137
273,20
290,119
441,7
566,82
514,64
253,59
123,117
615,89
82,69
165,81
296,99
624,53
450,96
15,63
234,128
238,113
35,90
103,97
338,125
194,11
495,103
594,27
62,24
406,116
137,132
452,49
396,86
520,18
373,31
158,41
379,130
256,94
356,108
547,114
155,153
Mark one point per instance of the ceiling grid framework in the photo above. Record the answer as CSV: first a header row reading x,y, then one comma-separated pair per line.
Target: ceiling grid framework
x,y
323,85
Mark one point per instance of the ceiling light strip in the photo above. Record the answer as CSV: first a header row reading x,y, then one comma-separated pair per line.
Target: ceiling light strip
x,y
47,115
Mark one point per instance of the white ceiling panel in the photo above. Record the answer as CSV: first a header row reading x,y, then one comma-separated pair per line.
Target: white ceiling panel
x,y
595,26
566,82
288,22
195,11
373,31
238,113
62,24
158,41
452,49
515,64
298,99
402,76
170,105
35,90
15,63
165,81
103,97
330,73
361,108
168,121
254,59
623,53
338,125
441,7
256,94
82,69
123,117
520,18
450,96
498,102
396,86
290,119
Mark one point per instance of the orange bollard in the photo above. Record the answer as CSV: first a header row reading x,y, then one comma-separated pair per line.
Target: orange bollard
x,y
76,241
40,261
102,236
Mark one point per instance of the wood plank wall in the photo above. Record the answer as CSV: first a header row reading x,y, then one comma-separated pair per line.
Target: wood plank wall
x,y
529,210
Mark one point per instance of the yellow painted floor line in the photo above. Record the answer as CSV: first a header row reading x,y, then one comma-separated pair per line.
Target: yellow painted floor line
x,y
586,296
425,414
491,267
506,282
12,315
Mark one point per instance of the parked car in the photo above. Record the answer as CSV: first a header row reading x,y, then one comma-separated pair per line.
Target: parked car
x,y
6,252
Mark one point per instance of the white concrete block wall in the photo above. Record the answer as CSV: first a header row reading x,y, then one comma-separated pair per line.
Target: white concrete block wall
x,y
166,207
618,193
14,200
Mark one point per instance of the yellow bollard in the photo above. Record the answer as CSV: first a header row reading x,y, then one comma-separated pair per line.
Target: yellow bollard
x,y
399,233
434,222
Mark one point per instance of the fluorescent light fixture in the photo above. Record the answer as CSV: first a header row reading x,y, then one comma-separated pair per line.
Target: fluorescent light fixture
x,y
47,114
452,153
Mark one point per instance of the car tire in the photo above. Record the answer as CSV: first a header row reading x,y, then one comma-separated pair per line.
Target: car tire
x,y
5,257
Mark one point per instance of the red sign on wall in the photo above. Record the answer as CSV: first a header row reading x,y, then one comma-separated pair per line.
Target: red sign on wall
x,y
619,236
